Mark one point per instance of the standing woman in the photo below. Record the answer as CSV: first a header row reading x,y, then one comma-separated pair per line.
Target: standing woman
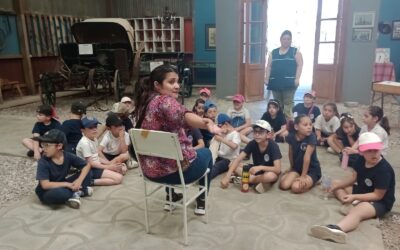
x,y
283,72
158,109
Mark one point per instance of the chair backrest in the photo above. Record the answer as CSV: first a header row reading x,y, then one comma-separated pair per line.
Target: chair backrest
x,y
156,143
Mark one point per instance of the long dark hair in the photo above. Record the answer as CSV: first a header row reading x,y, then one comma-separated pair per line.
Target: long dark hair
x,y
347,117
277,104
197,103
376,111
334,107
144,90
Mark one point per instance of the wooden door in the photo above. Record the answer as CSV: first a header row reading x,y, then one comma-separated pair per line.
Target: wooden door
x,y
252,49
329,50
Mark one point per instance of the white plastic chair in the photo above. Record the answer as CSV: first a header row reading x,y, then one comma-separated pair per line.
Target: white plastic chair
x,y
166,145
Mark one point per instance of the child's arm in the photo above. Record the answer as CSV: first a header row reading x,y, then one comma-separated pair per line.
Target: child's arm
x,y
102,157
36,148
307,160
245,125
232,167
345,182
376,195
290,155
318,134
227,142
77,184
200,144
97,164
276,168
46,184
282,130
123,147
353,149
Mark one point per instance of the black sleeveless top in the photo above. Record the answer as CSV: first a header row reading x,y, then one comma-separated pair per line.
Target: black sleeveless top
x,y
283,70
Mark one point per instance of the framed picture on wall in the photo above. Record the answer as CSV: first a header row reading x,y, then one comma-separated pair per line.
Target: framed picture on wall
x,y
364,19
362,35
210,37
396,30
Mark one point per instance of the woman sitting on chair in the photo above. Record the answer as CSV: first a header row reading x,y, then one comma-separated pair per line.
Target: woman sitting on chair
x,y
158,109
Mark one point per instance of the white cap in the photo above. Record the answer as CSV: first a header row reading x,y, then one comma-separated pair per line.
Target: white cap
x,y
263,124
126,99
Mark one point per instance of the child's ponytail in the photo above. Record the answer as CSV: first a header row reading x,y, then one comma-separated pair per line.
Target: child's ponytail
x,y
385,124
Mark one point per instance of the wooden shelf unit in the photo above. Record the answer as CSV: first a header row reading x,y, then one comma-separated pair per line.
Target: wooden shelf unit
x,y
156,36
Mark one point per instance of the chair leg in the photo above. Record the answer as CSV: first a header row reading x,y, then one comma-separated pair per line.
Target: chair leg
x,y
170,200
206,196
146,216
185,227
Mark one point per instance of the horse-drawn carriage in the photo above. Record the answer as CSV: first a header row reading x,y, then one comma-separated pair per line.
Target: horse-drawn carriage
x,y
102,61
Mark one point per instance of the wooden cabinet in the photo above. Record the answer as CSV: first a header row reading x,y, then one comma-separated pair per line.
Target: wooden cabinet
x,y
157,37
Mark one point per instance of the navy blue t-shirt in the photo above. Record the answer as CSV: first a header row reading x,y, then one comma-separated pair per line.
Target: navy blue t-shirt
x,y
276,123
127,123
41,129
299,149
207,136
265,158
72,130
343,137
48,170
195,135
301,109
381,176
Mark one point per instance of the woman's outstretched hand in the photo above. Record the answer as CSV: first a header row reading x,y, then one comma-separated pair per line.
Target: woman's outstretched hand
x,y
212,127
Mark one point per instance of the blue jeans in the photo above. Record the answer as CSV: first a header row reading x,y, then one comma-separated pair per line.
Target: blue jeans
x,y
195,170
61,195
221,165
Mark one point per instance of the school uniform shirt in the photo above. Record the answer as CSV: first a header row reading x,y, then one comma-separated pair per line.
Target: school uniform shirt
x,y
341,135
327,127
88,148
111,144
40,128
49,170
195,135
277,122
379,131
299,149
265,158
300,109
227,152
381,176
238,117
72,130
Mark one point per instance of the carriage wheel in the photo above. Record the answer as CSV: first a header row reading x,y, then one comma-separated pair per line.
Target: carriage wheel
x,y
47,90
117,87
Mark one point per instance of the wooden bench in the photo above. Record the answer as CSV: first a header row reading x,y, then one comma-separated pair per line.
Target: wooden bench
x,y
5,84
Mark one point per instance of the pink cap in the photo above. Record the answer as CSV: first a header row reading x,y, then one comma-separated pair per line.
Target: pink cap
x,y
238,98
368,141
312,93
205,91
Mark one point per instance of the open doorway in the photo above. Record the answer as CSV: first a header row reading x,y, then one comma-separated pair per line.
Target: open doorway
x,y
298,16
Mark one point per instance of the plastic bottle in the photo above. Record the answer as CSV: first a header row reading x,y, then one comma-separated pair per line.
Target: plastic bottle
x,y
345,160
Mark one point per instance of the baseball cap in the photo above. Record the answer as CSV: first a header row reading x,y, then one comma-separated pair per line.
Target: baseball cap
x,y
262,124
113,120
222,118
275,102
368,141
89,122
126,99
205,91
78,108
45,110
209,104
238,98
310,92
52,136
120,108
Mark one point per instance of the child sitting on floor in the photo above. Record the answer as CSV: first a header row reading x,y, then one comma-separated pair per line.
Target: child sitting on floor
x,y
54,186
198,107
72,127
205,94
103,173
276,118
307,107
326,124
45,122
372,195
229,146
211,112
266,156
305,169
240,117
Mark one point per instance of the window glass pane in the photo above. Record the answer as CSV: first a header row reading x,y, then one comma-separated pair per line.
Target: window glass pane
x,y
329,9
255,32
256,10
326,53
328,31
255,54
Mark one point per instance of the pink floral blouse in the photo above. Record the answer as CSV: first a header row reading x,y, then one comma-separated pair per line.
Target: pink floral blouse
x,y
164,113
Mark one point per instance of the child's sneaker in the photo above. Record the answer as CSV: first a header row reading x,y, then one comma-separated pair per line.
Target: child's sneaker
x,y
30,153
329,232
200,207
175,197
236,180
89,191
131,164
262,187
74,201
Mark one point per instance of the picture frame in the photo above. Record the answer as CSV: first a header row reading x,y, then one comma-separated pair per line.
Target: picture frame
x,y
396,30
210,37
362,35
364,19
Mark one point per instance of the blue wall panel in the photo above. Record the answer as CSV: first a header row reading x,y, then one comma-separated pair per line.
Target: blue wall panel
x,y
9,45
